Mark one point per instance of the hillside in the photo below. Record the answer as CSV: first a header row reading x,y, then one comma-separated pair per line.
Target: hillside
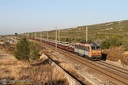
x,y
113,37
97,31
113,34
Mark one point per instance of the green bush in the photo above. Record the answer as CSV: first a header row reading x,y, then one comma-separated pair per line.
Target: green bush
x,y
105,44
22,50
113,41
26,50
34,51
125,45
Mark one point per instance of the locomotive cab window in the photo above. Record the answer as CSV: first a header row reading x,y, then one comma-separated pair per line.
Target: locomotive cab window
x,y
87,48
95,47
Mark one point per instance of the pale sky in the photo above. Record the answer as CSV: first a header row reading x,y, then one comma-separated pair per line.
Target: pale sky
x,y
19,16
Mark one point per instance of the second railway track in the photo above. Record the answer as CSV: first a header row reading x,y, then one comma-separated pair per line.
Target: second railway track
x,y
109,66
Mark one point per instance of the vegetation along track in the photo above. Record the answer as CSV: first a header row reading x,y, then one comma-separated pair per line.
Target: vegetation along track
x,y
112,76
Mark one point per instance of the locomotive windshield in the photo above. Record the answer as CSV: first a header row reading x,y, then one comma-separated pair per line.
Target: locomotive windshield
x,y
95,47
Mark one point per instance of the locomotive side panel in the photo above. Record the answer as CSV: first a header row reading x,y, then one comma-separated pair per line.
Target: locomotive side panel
x,y
82,50
76,50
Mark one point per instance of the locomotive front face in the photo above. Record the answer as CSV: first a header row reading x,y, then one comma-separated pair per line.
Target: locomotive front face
x,y
96,52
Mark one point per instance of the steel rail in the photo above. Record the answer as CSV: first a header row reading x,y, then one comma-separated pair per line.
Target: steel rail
x,y
113,67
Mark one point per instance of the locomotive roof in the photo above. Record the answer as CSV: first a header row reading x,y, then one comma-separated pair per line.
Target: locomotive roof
x,y
88,43
94,44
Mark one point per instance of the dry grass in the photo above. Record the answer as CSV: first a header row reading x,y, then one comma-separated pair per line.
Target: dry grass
x,y
117,54
40,72
9,66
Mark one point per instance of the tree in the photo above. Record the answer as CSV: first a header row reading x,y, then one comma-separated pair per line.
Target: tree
x,y
115,41
34,51
16,34
105,44
26,50
22,50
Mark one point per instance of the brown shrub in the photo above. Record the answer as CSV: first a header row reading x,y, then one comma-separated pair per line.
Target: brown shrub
x,y
116,54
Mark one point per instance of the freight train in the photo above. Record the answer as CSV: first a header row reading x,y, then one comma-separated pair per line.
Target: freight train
x,y
88,50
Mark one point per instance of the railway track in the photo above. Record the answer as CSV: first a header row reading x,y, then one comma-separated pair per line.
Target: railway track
x,y
114,77
117,69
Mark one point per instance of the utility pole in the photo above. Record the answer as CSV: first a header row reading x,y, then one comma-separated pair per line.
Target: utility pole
x,y
86,34
41,36
35,36
56,40
58,34
25,35
47,35
29,35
